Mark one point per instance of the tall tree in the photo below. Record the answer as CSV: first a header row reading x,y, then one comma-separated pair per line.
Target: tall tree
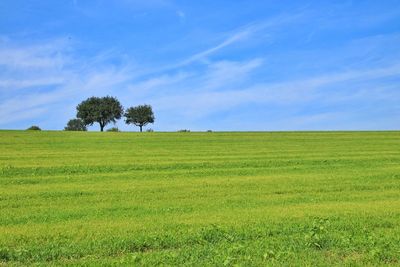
x,y
102,110
139,116
75,125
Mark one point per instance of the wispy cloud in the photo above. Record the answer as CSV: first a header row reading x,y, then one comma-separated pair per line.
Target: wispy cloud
x,y
51,78
236,37
240,34
202,103
43,55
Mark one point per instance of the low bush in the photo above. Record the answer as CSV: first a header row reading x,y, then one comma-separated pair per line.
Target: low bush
x,y
34,128
75,125
113,129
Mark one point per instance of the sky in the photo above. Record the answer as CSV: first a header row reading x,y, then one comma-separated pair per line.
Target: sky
x,y
220,65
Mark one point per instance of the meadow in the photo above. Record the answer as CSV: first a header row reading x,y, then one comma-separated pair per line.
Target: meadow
x,y
199,199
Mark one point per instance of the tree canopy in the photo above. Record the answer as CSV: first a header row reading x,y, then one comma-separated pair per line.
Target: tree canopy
x,y
75,125
140,115
102,110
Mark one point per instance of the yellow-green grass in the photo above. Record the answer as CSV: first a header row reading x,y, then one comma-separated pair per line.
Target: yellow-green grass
x,y
259,198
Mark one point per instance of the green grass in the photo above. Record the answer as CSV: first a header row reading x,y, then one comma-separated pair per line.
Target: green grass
x,y
288,198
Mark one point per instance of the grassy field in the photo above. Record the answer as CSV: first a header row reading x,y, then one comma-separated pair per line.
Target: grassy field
x,y
298,198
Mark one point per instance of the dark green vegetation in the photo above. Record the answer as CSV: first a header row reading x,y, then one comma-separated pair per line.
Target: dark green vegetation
x,y
84,198
104,110
101,110
139,116
34,128
75,125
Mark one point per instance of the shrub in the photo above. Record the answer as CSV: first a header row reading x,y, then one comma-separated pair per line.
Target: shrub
x,y
113,129
209,131
75,125
150,130
34,128
184,131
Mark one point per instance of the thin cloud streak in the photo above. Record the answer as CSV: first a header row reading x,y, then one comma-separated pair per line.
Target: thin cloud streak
x,y
240,34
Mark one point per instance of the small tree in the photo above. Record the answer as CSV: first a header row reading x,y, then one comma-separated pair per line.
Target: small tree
x,y
75,125
139,116
102,110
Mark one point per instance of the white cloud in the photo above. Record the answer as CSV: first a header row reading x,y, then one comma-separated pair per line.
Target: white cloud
x,y
52,54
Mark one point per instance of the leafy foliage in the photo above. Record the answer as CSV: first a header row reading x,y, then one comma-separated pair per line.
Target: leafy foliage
x,y
75,125
102,110
140,115
34,128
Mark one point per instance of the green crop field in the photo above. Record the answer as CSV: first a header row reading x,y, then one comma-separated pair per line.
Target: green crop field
x,y
246,199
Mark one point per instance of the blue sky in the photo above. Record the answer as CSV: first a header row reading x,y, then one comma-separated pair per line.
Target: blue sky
x,y
220,65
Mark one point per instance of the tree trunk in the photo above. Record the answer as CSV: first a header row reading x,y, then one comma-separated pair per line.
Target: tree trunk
x,y
140,128
101,127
